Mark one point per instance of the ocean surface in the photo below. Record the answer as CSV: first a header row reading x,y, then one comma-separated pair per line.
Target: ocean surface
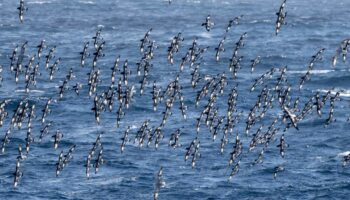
x,y
313,154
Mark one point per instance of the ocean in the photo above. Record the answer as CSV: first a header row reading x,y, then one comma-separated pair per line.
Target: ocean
x,y
313,155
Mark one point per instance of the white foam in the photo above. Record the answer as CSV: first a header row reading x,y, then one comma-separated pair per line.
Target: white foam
x,y
316,71
195,1
134,126
260,21
38,2
31,91
342,93
345,94
87,2
205,34
109,181
100,26
345,153
37,91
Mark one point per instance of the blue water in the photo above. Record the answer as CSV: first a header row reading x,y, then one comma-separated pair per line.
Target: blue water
x,y
313,168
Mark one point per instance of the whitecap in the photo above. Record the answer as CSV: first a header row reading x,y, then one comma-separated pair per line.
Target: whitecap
x,y
316,71
38,2
342,93
87,2
30,91
37,91
260,21
134,126
109,181
321,71
205,35
345,153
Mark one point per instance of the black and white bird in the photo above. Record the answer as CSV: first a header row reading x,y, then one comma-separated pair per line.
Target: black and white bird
x,y
208,24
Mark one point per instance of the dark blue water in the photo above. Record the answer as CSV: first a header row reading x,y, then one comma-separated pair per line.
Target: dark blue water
x,y
313,167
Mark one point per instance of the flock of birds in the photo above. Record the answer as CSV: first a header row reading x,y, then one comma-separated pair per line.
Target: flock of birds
x,y
121,92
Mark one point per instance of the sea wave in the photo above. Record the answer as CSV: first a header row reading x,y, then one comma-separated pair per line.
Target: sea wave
x,y
316,71
342,92
87,2
39,2
345,153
